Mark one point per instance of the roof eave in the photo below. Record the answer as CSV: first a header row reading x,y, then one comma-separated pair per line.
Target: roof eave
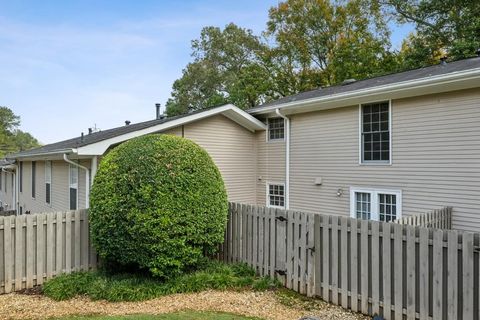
x,y
442,83
41,154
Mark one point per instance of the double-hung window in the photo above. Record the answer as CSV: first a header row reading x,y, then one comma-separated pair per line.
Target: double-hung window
x,y
276,195
375,132
48,182
73,186
375,204
276,129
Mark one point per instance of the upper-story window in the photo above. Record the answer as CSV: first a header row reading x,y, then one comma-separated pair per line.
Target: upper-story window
x,y
34,173
375,133
276,129
48,182
21,177
73,186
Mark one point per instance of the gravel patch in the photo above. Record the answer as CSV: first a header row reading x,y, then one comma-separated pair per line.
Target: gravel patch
x,y
264,305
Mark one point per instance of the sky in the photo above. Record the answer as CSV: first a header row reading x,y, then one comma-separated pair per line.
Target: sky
x,y
66,66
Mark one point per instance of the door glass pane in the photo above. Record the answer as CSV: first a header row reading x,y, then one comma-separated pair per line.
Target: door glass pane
x,y
363,205
387,207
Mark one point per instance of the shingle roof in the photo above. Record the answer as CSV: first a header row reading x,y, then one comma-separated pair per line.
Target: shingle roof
x,y
436,70
97,136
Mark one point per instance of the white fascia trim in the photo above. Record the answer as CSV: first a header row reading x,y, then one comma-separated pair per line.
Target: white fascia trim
x,y
229,110
472,74
40,154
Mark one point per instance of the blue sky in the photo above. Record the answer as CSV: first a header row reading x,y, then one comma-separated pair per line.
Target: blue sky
x,y
67,65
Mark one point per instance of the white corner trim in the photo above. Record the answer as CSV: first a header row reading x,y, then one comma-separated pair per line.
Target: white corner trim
x,y
374,192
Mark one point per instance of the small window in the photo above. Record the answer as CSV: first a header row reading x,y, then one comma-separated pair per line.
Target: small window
x,y
276,128
20,187
73,186
373,204
34,173
375,132
48,182
276,195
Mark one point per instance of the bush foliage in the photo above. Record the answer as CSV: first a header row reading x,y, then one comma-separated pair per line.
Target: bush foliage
x,y
136,287
158,202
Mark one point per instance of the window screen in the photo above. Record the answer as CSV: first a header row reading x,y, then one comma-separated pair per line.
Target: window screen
x,y
34,167
48,181
73,176
375,132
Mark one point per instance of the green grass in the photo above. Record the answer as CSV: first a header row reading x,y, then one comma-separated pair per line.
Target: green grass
x,y
188,315
135,287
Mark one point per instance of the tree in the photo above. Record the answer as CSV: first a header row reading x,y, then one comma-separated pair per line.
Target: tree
x,y
11,138
158,202
226,69
321,43
451,27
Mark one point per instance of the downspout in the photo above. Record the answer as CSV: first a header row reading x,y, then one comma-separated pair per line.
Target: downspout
x,y
87,178
287,158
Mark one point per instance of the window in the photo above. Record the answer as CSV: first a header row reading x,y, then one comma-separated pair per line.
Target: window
x,y
375,204
48,181
375,132
73,186
276,129
276,195
34,167
20,186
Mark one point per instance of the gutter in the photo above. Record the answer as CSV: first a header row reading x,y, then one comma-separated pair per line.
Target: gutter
x,y
60,151
87,178
471,74
287,158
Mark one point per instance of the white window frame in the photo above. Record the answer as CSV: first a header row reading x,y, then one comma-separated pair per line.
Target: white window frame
x,y
272,183
48,179
268,131
374,201
72,186
360,144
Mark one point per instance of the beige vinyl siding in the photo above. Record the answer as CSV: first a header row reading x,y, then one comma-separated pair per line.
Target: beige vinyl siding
x,y
436,157
60,187
6,196
270,164
177,131
232,148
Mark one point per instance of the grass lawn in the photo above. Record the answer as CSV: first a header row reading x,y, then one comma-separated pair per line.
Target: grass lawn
x,y
188,315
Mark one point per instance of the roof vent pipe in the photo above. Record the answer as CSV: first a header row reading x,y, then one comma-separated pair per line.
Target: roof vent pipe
x,y
157,107
90,130
81,138
127,122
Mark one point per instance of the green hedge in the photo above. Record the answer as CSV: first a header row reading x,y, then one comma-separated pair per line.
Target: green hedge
x,y
157,202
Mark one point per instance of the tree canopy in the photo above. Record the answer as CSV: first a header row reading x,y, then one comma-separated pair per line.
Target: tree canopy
x,y
13,139
314,43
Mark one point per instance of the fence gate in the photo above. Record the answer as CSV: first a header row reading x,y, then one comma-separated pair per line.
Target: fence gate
x,y
274,242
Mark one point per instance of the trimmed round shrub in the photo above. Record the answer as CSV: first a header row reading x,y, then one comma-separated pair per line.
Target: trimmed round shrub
x,y
158,202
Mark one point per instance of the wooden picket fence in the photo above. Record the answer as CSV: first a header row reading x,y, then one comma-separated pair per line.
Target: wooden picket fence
x,y
438,219
37,247
393,270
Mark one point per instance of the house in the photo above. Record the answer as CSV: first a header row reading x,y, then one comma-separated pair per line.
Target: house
x,y
380,148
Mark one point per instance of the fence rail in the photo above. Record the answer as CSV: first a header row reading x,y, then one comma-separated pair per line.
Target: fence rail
x,y
35,248
389,269
438,219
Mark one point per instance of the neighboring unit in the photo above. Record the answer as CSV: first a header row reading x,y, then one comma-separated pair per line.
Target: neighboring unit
x,y
379,149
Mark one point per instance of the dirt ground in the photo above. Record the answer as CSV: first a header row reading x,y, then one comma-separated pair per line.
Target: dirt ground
x,y
265,305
